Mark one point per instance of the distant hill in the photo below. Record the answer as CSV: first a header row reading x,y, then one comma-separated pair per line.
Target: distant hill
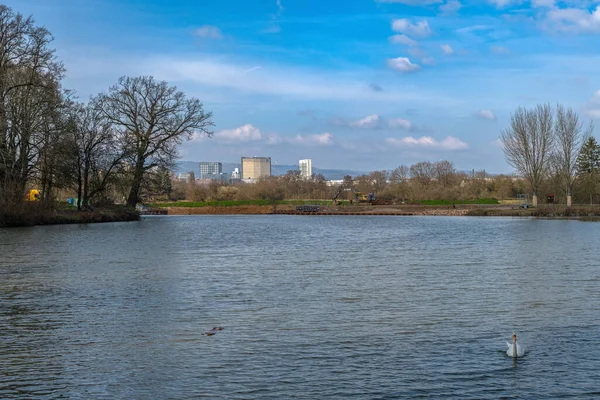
x,y
279,169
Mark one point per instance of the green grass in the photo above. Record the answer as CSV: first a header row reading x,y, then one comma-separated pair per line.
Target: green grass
x,y
451,202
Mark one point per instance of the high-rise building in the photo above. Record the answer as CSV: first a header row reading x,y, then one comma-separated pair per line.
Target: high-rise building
x,y
305,168
256,167
210,168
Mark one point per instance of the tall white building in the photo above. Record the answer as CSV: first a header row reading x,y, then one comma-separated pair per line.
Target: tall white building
x,y
305,168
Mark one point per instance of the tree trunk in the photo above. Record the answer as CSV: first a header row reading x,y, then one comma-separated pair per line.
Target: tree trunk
x,y
86,179
534,202
79,187
569,201
135,186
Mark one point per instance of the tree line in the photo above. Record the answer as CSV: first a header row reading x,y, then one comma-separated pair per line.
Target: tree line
x,y
424,180
119,141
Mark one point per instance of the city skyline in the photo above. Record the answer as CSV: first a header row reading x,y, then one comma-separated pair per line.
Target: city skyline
x,y
395,82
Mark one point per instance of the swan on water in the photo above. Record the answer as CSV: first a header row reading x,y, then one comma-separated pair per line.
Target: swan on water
x,y
514,350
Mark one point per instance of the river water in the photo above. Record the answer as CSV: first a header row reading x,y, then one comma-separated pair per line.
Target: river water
x,y
312,307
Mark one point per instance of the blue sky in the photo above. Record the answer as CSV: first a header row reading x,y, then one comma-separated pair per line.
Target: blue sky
x,y
363,84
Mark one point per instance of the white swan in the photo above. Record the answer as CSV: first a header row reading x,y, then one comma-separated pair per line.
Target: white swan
x,y
514,350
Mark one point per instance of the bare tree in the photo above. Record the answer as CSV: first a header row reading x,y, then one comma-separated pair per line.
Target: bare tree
x,y
152,119
96,154
400,174
444,172
378,180
569,139
527,143
29,76
422,172
348,182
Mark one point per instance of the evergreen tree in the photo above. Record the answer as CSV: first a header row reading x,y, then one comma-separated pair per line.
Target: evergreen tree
x,y
588,160
588,167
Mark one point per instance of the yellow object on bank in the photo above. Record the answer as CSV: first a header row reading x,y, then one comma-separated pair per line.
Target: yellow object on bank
x,y
33,195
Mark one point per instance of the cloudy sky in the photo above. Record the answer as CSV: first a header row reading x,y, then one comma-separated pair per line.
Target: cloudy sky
x,y
355,84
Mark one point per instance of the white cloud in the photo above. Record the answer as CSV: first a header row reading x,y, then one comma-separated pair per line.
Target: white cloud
x,y
486,114
574,20
242,134
427,142
375,121
322,139
402,64
447,49
419,29
451,7
209,32
403,39
592,108
369,121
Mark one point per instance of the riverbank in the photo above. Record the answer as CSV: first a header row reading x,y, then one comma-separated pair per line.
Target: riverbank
x,y
546,211
31,215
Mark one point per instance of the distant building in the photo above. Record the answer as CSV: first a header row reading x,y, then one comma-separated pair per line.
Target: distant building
x,y
222,177
256,167
305,168
210,168
235,175
183,177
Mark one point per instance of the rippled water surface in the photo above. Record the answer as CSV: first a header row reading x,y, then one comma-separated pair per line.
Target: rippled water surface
x,y
313,307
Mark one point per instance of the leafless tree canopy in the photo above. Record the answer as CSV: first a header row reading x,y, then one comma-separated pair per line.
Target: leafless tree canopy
x,y
400,174
444,172
423,172
152,119
570,136
29,86
528,141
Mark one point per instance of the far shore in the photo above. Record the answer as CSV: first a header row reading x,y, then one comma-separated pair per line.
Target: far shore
x,y
544,211
34,216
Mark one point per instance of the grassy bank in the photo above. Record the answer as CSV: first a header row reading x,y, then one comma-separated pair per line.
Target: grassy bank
x,y
34,214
